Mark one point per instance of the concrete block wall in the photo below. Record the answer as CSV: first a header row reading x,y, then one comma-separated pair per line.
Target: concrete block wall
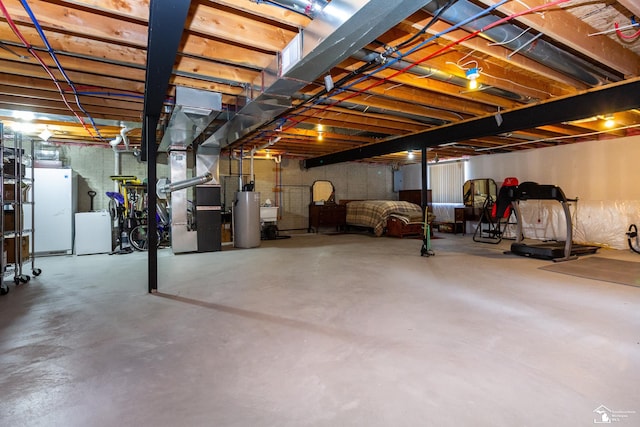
x,y
290,189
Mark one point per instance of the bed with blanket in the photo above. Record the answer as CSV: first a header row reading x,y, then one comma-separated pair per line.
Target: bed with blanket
x,y
375,213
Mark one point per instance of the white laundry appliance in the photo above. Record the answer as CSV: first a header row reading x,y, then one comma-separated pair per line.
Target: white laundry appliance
x,y
53,194
92,233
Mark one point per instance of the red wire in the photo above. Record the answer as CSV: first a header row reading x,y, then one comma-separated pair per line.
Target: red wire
x,y
430,56
619,33
27,45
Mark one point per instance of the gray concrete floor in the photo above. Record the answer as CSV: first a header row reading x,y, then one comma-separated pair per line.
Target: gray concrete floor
x,y
319,330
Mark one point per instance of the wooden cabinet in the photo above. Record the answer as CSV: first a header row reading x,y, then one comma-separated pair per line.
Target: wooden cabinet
x,y
414,196
460,221
327,215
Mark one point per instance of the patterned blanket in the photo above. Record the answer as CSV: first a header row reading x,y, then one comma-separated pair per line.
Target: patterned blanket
x,y
374,213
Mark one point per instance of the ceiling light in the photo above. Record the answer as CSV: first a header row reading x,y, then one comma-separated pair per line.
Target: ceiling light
x,y
473,74
319,136
268,156
320,127
609,121
410,154
45,134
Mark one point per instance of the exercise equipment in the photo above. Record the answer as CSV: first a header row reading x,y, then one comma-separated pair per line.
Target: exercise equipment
x,y
495,215
557,250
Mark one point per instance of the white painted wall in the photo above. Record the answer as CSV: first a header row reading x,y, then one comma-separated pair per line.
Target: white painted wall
x,y
596,170
603,175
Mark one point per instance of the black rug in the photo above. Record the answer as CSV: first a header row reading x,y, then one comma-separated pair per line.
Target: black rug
x,y
597,268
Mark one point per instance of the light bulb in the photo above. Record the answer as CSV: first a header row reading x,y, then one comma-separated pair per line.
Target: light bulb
x,y
410,154
473,74
609,122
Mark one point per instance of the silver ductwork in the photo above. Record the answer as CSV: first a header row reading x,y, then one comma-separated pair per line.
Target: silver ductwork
x,y
192,113
181,185
512,37
311,8
340,29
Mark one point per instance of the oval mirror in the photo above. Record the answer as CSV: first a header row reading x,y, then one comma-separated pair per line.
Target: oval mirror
x,y
322,192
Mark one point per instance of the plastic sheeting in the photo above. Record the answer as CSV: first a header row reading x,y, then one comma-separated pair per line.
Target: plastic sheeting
x,y
601,223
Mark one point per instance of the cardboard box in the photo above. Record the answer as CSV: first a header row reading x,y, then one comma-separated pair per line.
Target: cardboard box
x,y
10,245
8,193
225,235
10,220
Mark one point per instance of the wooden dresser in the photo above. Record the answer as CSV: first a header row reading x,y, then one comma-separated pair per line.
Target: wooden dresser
x,y
327,215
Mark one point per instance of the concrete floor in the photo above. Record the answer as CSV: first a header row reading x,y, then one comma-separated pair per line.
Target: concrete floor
x,y
319,330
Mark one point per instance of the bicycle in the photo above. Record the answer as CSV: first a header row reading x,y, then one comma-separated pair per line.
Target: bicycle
x,y
139,236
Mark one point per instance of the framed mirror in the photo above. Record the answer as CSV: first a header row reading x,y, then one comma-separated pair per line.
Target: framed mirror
x,y
476,191
322,192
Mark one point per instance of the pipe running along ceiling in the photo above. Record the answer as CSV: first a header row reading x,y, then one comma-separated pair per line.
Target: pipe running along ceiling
x,y
397,68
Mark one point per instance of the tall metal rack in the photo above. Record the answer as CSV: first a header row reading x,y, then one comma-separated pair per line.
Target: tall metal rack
x,y
13,182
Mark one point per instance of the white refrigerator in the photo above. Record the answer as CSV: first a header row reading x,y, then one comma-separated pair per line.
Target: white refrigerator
x,y
53,194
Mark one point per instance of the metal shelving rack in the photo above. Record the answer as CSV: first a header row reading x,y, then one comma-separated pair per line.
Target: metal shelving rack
x,y
13,173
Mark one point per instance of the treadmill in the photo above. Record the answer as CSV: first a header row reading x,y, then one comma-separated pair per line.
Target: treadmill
x,y
555,251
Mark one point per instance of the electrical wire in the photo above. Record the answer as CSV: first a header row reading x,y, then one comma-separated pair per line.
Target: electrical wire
x,y
445,48
428,25
619,33
60,67
33,52
394,60
123,95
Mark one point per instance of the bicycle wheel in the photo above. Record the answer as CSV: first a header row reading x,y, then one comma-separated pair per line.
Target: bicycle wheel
x,y
139,238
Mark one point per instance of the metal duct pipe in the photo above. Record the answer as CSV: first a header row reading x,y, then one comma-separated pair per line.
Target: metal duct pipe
x,y
526,44
311,8
365,55
376,110
116,160
181,185
342,28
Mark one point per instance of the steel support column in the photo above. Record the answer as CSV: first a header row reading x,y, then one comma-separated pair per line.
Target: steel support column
x,y
622,96
423,193
166,23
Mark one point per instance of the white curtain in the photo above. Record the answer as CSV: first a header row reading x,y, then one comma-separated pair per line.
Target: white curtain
x,y
447,180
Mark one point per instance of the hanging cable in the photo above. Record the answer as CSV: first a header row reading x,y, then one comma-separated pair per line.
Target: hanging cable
x,y
33,52
619,33
396,59
444,49
428,25
389,63
55,59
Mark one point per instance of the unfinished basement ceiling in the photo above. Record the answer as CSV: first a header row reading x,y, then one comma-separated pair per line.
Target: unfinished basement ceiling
x,y
416,81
